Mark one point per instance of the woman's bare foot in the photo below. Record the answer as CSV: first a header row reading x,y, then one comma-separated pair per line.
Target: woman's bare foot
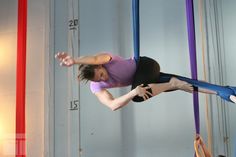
x,y
181,85
232,98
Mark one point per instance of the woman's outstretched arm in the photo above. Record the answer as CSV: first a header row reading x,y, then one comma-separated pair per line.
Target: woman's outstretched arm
x,y
106,98
97,59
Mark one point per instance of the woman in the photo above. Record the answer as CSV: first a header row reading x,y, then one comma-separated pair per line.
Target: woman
x,y
105,70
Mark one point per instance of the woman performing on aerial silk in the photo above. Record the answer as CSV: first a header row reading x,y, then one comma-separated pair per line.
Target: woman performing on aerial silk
x,y
105,70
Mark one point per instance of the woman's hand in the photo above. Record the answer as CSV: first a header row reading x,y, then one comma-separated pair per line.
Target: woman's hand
x,y
142,91
65,59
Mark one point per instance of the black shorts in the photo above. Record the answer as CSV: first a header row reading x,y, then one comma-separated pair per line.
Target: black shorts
x,y
148,71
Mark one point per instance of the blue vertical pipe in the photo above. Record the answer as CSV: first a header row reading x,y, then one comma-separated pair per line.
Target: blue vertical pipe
x,y
136,38
193,60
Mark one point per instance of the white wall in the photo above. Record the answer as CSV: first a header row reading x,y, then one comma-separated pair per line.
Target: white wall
x,y
37,19
7,73
229,25
34,79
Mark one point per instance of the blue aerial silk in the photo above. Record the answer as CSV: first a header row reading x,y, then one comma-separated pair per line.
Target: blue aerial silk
x,y
136,38
223,91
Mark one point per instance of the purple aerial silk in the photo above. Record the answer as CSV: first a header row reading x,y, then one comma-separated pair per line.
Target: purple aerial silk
x,y
193,60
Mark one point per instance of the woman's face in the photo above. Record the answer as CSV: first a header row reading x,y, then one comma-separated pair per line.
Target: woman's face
x,y
100,74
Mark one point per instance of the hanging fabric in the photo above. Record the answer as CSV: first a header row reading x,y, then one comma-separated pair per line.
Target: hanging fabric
x,y
207,112
136,29
20,145
193,63
193,60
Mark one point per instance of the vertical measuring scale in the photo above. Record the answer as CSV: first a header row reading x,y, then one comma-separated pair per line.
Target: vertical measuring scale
x,y
73,85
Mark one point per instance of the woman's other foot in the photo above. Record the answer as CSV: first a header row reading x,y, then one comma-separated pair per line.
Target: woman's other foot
x,y
232,98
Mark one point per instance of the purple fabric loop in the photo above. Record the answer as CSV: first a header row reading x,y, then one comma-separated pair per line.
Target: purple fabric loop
x,y
193,60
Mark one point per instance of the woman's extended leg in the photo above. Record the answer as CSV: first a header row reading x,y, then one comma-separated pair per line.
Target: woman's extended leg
x,y
148,73
225,92
175,84
157,88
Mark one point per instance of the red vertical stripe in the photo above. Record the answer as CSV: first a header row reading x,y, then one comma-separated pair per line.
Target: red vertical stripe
x,y
20,79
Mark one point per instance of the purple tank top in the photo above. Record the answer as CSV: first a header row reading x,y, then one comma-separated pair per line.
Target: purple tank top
x,y
121,72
